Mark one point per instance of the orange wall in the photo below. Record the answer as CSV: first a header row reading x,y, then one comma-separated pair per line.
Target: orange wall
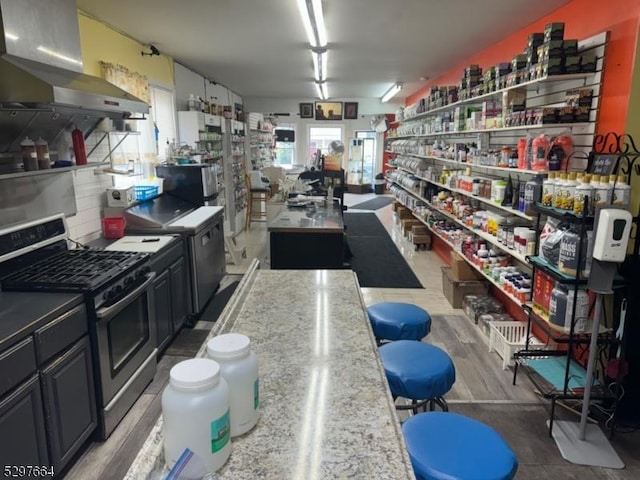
x,y
582,18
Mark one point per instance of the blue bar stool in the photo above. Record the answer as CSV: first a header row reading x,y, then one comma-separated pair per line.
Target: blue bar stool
x,y
418,371
398,321
448,446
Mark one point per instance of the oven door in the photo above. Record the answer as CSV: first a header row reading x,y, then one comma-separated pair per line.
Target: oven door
x,y
125,337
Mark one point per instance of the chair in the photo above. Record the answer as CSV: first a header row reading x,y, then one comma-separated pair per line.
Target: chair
x,y
393,321
419,372
256,194
449,446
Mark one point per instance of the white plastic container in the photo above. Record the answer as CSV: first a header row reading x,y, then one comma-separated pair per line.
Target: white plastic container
x,y
195,410
239,367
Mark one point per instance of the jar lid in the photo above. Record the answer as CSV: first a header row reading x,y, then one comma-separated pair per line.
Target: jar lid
x,y
195,374
228,345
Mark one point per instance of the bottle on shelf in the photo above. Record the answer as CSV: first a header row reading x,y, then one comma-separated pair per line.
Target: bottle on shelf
x,y
584,193
29,156
604,192
569,191
192,103
42,154
78,146
622,192
548,187
558,191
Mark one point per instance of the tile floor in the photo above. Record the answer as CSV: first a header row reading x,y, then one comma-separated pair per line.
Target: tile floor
x,y
482,389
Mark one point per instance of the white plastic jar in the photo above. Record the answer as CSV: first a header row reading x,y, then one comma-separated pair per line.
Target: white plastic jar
x,y
195,411
239,367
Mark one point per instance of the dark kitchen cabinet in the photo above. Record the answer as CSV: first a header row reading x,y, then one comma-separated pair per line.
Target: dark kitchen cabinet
x,y
179,291
171,292
22,427
163,309
69,402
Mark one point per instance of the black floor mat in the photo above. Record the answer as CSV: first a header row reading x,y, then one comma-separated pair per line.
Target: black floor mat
x,y
373,204
375,258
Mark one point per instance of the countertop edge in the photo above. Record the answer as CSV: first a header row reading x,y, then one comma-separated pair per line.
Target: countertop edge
x,y
390,402
36,323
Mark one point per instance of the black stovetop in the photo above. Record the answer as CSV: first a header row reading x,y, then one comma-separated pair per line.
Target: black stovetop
x,y
74,271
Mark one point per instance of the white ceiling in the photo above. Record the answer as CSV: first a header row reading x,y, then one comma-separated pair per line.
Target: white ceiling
x,y
258,48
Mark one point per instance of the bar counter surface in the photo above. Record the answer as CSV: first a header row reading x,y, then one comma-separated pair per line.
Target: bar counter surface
x,y
325,407
307,238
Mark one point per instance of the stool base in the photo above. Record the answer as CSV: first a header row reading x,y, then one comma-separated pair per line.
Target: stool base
x,y
417,404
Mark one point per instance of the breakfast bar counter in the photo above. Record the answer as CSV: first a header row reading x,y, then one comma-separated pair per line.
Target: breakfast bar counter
x,y
325,408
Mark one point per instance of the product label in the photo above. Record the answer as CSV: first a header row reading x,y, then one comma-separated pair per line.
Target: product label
x,y
220,433
256,394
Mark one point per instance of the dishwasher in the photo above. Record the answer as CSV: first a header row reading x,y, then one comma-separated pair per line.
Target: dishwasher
x,y
203,229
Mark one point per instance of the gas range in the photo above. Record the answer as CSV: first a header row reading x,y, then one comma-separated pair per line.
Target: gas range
x,y
104,276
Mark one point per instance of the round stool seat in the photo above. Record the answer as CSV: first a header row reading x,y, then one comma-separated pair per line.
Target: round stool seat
x,y
448,446
417,370
399,321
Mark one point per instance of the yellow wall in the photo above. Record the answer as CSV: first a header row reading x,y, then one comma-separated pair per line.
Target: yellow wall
x,y
101,43
633,127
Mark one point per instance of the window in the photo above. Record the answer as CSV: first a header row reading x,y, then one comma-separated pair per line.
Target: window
x,y
285,150
320,138
163,114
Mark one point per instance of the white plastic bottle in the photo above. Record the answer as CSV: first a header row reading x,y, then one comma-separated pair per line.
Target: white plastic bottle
x,y
239,367
195,411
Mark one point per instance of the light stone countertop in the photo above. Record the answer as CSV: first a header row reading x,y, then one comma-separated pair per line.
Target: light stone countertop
x,y
326,410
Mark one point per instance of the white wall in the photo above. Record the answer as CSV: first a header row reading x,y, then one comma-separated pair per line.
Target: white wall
x,y
188,81
90,189
366,106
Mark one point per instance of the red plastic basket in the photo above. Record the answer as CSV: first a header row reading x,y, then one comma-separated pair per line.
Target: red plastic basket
x,y
113,227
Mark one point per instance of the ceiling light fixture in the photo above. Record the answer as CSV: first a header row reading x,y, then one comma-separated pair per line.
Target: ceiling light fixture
x,y
395,88
321,87
319,65
313,21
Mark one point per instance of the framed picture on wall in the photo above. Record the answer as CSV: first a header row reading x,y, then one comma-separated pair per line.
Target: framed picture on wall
x,y
328,111
306,110
350,110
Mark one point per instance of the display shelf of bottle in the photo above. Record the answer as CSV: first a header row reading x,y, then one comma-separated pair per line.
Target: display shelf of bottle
x,y
556,362
472,265
484,235
486,201
498,93
558,333
475,165
537,126
564,215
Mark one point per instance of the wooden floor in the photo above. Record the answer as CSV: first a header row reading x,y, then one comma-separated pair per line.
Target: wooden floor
x,y
482,389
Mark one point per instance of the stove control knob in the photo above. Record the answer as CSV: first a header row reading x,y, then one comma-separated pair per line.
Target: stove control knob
x,y
118,289
128,281
110,294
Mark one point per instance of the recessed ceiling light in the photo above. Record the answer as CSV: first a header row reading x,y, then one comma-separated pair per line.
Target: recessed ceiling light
x,y
422,79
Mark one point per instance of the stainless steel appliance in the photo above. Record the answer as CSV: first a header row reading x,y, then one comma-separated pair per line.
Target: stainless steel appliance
x,y
199,184
33,75
117,287
203,228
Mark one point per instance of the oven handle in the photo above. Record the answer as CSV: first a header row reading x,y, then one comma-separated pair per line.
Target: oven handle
x,y
120,304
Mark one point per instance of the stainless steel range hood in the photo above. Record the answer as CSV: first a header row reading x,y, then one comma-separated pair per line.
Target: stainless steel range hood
x,y
41,62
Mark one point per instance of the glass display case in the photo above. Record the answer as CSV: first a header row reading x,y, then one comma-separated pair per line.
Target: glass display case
x,y
360,166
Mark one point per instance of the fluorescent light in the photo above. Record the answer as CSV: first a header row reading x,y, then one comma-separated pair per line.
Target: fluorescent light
x,y
319,65
11,36
318,15
313,21
58,55
321,88
395,88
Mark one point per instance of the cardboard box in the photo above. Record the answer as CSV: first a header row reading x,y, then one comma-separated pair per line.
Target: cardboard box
x,y
408,223
455,291
461,270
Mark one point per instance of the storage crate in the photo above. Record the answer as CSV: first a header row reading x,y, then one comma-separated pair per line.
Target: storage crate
x,y
145,192
455,291
507,338
113,227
